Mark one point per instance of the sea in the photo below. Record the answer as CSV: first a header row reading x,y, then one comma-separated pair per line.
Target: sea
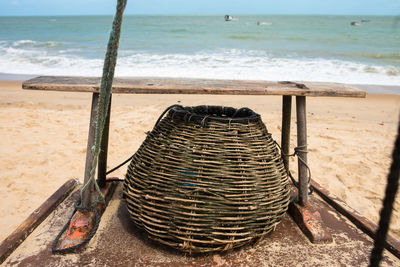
x,y
252,47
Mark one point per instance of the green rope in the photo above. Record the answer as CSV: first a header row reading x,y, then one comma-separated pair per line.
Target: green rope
x,y
105,93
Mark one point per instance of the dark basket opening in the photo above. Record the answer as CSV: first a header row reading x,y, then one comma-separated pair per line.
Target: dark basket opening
x,y
202,114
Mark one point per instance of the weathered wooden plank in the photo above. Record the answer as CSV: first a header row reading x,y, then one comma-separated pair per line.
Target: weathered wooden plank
x,y
153,85
21,233
301,115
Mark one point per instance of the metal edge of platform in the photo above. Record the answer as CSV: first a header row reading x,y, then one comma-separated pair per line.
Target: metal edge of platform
x,y
23,231
120,242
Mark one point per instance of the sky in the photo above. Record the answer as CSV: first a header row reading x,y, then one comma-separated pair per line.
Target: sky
x,y
198,7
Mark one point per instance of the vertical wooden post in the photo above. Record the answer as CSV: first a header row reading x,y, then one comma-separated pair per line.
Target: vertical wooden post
x,y
102,169
86,198
302,144
285,137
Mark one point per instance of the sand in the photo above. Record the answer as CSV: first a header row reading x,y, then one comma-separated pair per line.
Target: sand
x,y
44,135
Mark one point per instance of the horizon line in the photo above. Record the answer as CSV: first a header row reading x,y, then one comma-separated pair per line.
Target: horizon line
x,y
221,14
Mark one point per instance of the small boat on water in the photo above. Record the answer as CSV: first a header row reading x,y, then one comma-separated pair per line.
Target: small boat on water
x,y
355,23
230,18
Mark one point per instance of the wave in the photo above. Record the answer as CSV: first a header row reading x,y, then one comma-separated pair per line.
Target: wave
x,y
220,64
381,55
246,37
179,31
24,42
30,43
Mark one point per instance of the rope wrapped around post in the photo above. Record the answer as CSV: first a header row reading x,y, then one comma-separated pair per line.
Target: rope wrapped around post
x,y
104,99
85,204
296,150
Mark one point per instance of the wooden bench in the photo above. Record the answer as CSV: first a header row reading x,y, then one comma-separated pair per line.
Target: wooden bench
x,y
153,85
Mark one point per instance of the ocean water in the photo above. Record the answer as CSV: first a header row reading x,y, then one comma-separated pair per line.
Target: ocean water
x,y
308,48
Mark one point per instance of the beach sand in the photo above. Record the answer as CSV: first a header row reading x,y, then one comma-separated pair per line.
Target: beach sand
x,y
44,135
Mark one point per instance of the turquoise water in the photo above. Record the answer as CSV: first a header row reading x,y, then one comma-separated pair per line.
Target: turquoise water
x,y
316,48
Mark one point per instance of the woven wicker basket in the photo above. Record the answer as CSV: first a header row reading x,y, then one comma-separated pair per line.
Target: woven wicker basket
x,y
207,178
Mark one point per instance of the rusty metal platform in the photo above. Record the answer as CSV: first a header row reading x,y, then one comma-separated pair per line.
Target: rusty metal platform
x,y
119,243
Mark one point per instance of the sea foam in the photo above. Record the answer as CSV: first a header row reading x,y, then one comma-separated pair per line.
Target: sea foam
x,y
31,57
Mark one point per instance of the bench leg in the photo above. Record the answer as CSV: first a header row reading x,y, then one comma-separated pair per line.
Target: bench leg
x,y
302,145
102,169
285,138
306,214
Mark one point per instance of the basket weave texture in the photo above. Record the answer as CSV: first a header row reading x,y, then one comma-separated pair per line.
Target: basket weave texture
x,y
207,178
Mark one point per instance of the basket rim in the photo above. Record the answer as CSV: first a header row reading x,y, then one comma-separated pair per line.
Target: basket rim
x,y
205,113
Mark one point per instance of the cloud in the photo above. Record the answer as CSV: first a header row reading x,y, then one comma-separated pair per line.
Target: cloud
x,y
14,2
